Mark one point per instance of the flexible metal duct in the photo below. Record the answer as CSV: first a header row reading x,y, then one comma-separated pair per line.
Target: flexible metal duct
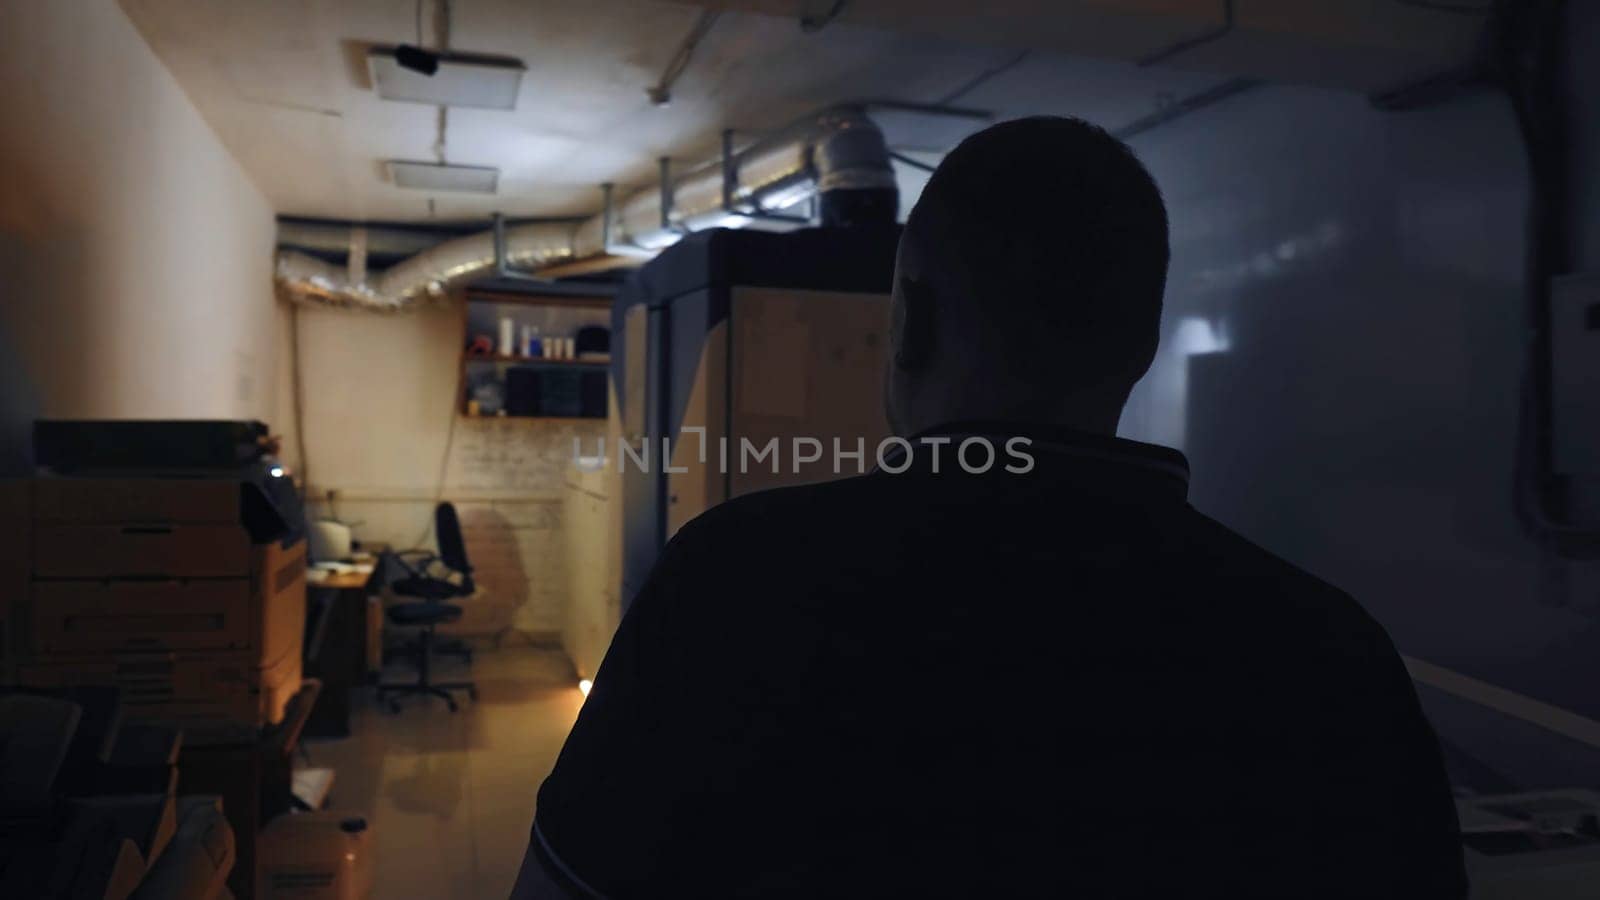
x,y
839,148
427,275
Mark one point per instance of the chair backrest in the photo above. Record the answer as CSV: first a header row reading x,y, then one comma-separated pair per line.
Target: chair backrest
x,y
452,549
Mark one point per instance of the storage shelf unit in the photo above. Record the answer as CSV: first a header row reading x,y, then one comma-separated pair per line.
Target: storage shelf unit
x,y
537,361
485,378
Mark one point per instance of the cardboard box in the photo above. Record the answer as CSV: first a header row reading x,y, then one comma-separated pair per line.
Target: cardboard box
x,y
153,586
148,500
139,527
67,617
140,550
263,612
315,856
275,685
216,697
278,596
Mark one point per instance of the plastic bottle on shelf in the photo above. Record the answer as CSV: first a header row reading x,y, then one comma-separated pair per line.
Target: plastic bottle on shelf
x,y
531,345
507,336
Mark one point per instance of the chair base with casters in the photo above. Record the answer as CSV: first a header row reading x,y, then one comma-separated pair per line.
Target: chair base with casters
x,y
429,616
441,647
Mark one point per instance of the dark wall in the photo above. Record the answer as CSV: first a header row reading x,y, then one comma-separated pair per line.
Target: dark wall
x,y
1341,361
18,408
1582,75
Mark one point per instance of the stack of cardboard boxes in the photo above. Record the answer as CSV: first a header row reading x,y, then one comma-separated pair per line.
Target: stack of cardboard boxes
x,y
152,585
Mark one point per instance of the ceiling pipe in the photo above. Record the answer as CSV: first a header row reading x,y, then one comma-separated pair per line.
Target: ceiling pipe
x,y
661,93
839,148
428,275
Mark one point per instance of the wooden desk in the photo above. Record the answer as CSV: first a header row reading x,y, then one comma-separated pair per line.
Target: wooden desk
x,y
341,659
343,581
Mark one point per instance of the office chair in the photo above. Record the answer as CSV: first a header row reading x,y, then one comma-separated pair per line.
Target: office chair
x,y
430,609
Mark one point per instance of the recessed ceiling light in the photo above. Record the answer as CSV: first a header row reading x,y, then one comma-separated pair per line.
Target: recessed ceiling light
x,y
437,177
462,79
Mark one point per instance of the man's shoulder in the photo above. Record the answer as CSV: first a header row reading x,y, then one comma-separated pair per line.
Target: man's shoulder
x,y
1278,589
1233,553
760,515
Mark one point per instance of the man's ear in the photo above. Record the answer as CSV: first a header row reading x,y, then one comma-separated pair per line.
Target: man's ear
x,y
913,325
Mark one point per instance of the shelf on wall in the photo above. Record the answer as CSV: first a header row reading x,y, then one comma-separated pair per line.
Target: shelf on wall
x,y
466,415
536,361
558,386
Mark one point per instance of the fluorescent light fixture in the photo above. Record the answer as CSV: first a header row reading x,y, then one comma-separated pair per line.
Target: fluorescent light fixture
x,y
659,239
487,82
786,197
716,219
424,176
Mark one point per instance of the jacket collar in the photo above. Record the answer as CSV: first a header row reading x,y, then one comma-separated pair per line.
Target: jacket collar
x,y
1057,447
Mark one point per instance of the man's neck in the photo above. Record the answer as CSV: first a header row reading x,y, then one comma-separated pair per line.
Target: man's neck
x,y
1100,423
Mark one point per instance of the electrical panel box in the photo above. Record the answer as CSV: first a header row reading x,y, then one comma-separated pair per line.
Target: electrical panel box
x,y
1575,375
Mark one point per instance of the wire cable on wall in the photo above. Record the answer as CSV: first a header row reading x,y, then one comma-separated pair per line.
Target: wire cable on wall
x,y
813,24
1185,106
982,78
444,459
297,401
1198,40
661,93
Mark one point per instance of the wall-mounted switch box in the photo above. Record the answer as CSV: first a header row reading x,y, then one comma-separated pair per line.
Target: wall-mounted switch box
x,y
1575,374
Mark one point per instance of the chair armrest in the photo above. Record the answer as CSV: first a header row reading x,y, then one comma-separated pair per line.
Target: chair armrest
x,y
424,559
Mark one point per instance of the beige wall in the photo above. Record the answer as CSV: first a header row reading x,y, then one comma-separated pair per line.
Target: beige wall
x,y
382,430
592,533
136,253
137,261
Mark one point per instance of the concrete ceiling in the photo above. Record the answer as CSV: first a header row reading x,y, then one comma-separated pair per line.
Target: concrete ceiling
x,y
1362,45
285,86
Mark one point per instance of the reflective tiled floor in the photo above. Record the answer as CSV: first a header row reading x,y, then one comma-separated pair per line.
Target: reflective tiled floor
x,y
450,797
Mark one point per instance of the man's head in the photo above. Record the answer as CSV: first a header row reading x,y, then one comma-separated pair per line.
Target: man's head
x,y
1029,280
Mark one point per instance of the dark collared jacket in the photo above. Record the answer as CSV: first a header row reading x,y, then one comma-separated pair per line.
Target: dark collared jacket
x,y
1061,682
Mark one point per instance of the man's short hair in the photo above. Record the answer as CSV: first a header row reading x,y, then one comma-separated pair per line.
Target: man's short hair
x,y
1057,229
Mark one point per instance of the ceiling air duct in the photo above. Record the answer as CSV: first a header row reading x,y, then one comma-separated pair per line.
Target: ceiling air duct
x,y
430,274
839,150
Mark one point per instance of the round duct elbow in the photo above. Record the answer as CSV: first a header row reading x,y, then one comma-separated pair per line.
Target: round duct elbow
x,y
850,154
